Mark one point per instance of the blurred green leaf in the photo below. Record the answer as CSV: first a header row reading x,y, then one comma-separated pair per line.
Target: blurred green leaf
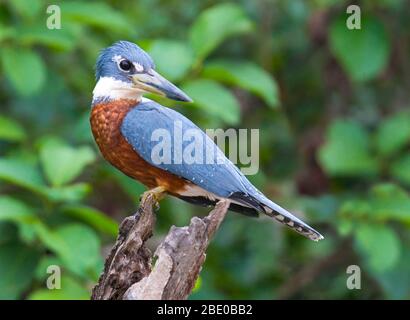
x,y
56,39
362,52
63,163
24,69
8,233
400,169
93,217
385,202
14,210
6,32
17,265
46,261
76,246
27,233
25,10
95,14
388,191
393,133
11,130
172,58
198,284
346,151
396,281
30,226
322,208
246,75
216,24
71,289
71,193
214,99
390,202
345,227
380,246
26,175
21,173
356,209
83,248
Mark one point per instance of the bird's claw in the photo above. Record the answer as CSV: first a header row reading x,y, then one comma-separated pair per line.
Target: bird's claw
x,y
157,194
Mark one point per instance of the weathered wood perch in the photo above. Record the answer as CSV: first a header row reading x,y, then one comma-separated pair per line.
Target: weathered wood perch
x,y
129,272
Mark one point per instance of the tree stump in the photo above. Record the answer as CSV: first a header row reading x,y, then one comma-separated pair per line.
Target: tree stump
x,y
129,272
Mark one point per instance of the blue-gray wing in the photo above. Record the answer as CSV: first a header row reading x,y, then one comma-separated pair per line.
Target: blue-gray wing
x,y
168,140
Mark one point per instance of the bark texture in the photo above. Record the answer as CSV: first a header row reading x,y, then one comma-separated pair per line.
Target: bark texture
x,y
129,272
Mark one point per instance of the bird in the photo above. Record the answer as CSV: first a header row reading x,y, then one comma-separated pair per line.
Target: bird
x,y
123,122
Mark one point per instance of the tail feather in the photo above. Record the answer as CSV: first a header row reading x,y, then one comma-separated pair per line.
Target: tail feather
x,y
263,204
285,217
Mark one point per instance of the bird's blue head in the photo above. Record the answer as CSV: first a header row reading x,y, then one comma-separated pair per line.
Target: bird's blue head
x,y
124,70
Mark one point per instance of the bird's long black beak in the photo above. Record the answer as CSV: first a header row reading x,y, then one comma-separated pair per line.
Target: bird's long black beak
x,y
153,82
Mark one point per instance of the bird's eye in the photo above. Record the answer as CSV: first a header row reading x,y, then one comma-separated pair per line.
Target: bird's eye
x,y
125,65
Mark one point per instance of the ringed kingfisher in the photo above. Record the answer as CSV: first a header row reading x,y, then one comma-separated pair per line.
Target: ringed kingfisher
x,y
123,123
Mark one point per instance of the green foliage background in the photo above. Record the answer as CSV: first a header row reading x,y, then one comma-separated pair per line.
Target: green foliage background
x,y
331,105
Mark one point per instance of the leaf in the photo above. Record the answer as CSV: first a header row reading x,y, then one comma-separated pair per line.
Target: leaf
x,y
7,32
356,209
71,193
393,210
197,285
216,24
173,58
346,151
400,169
24,69
345,227
76,246
388,191
246,75
8,233
21,173
97,219
45,262
65,248
50,239
83,248
214,99
27,11
379,245
29,224
17,266
393,133
60,39
63,163
26,175
10,130
14,210
390,202
364,52
396,281
95,14
71,289
386,202
321,208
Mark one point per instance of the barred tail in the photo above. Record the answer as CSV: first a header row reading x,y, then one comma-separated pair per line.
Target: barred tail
x,y
285,217
258,202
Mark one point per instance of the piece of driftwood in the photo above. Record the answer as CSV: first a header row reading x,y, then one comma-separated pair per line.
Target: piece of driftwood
x,y
129,273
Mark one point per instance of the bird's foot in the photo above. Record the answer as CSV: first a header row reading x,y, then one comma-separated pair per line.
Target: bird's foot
x,y
157,194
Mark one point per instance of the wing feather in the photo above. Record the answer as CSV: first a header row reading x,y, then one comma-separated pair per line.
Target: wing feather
x,y
215,173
